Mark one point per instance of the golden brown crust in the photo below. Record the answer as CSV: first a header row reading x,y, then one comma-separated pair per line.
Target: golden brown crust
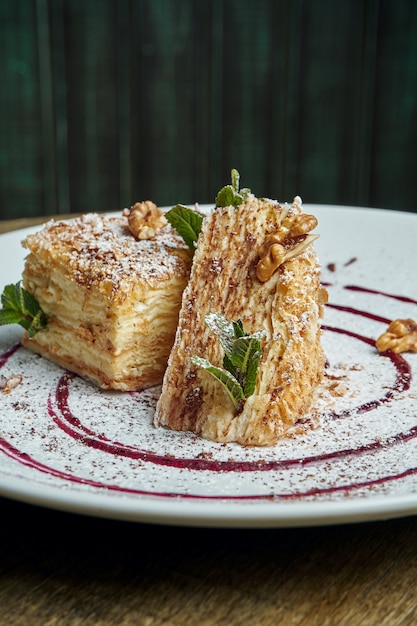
x,y
112,301
287,307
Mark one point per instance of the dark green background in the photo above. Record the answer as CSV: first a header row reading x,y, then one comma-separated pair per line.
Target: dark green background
x,y
106,102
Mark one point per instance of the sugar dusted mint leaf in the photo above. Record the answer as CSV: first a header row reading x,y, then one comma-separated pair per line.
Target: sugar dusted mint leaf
x,y
187,222
224,330
21,307
242,353
230,195
235,176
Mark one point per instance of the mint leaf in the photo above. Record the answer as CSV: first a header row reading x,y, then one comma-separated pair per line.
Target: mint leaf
x,y
251,371
243,348
245,358
12,298
9,317
230,194
242,353
235,176
21,307
229,382
238,328
186,222
30,304
228,197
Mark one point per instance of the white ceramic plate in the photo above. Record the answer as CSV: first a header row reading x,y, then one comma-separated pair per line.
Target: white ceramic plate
x,y
66,445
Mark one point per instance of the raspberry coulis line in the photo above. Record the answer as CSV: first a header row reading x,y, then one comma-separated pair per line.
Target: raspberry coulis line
x,y
380,293
5,356
374,292
402,380
25,459
73,427
70,423
353,311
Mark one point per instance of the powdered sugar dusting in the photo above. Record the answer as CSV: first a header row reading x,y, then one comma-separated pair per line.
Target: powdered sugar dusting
x,y
352,421
100,249
357,445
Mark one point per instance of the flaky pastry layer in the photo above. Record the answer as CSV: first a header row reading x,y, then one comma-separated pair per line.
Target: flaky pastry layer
x,y
287,307
112,301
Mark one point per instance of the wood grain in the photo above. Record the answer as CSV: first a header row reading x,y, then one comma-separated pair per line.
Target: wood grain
x,y
64,569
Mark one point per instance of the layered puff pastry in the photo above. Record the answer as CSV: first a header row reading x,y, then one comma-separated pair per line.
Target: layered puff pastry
x,y
111,288
255,263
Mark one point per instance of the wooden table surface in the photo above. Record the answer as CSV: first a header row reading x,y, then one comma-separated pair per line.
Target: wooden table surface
x,y
65,569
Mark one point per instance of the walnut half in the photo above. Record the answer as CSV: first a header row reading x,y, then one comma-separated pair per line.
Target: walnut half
x,y
274,254
289,240
145,219
400,336
7,385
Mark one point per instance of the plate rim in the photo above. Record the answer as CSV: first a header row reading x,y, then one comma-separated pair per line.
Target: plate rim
x,y
268,514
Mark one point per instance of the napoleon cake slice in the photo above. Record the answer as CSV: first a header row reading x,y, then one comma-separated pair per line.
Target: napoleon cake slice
x,y
111,288
255,272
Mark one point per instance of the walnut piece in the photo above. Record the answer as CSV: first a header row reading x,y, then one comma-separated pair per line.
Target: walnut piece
x,y
400,336
145,219
289,240
276,254
7,385
272,257
294,226
302,225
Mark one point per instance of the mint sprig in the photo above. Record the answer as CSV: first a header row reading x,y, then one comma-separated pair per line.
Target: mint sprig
x,y
187,222
21,307
230,195
242,353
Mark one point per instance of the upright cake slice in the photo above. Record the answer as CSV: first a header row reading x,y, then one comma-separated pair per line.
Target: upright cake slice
x,y
255,265
111,288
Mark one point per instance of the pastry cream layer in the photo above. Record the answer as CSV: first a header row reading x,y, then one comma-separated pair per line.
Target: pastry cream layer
x,y
112,301
287,307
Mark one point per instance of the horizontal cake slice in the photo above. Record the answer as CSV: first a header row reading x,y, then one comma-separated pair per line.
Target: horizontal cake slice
x,y
111,288
255,264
